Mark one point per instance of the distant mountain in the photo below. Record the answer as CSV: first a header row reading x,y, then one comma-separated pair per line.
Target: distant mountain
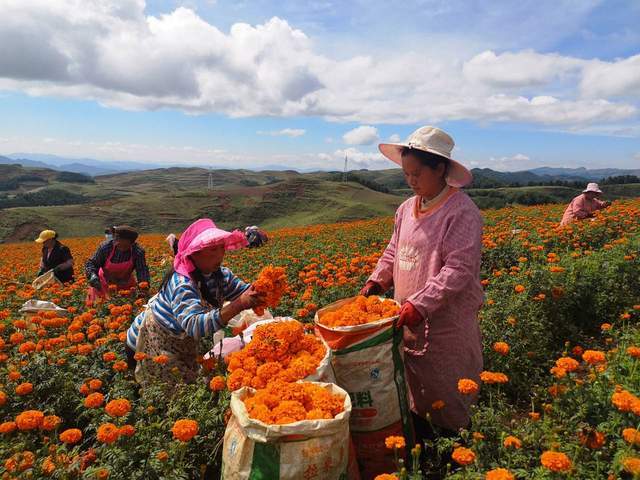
x,y
23,162
87,166
589,174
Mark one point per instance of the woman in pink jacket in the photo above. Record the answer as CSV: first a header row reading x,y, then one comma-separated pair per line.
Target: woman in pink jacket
x,y
433,264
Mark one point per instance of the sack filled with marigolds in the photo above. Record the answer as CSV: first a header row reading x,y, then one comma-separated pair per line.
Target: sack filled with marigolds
x,y
289,430
367,360
272,283
279,351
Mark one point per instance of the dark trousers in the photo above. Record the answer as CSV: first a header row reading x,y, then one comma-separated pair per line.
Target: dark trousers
x,y
131,362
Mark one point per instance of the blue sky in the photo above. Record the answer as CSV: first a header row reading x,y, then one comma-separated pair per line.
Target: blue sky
x,y
248,84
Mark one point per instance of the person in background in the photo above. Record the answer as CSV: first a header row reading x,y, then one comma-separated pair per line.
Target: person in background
x,y
55,256
172,240
114,263
189,306
255,236
584,205
108,233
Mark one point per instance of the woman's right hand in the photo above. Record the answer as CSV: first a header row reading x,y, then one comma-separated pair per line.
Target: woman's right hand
x,y
371,288
251,298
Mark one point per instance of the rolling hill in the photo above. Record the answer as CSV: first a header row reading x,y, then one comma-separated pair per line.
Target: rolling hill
x,y
165,200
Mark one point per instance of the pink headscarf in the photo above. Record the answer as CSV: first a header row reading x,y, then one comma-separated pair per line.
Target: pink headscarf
x,y
199,235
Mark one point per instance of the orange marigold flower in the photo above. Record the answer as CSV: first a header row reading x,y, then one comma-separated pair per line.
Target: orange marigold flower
x,y
24,388
139,356
109,357
3,398
8,427
555,461
127,430
272,284
591,438
360,311
94,400
120,366
29,419
512,442
184,429
14,375
71,436
217,383
386,476
281,403
102,474
624,400
501,347
50,422
631,465
535,416
467,386
162,456
499,474
493,377
95,384
567,363
594,357
108,433
463,456
161,359
633,351
519,288
631,435
394,442
118,408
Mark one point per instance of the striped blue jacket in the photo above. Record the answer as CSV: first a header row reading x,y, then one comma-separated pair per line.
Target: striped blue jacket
x,y
180,309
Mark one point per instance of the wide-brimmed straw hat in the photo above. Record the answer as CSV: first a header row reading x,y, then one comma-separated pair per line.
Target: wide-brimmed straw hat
x,y
592,187
432,140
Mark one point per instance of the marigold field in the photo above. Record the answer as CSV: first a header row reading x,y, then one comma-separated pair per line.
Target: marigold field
x,y
560,397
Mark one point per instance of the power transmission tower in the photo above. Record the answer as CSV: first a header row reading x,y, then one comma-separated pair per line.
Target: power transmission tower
x,y
210,183
344,174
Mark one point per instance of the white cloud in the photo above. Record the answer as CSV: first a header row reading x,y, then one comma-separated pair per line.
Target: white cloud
x,y
516,162
522,69
612,79
356,159
111,51
395,138
362,135
285,132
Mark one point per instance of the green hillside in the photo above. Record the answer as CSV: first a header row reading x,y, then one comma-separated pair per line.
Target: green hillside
x,y
165,200
168,199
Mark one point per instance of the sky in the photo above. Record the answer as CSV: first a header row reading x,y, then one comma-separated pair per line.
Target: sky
x,y
249,84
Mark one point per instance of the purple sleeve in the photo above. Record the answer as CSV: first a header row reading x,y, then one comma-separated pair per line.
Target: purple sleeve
x,y
462,244
383,273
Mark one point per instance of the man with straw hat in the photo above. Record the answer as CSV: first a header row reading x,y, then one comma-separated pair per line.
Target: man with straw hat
x,y
55,256
584,205
433,263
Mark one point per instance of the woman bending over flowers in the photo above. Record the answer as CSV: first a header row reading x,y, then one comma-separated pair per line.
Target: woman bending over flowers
x,y
189,306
